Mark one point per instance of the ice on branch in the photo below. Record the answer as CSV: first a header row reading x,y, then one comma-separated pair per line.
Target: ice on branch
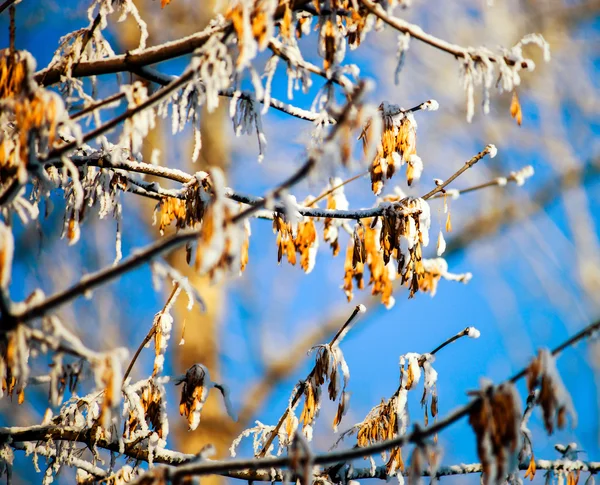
x,y
520,176
126,8
260,434
137,127
213,66
336,200
246,117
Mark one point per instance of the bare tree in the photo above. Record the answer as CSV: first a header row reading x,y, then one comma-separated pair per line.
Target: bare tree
x,y
72,135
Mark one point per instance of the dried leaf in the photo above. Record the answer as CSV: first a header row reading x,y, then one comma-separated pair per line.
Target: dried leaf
x,y
531,469
515,109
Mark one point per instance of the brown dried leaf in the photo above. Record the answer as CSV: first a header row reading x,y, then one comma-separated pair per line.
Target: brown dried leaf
x,y
531,469
515,108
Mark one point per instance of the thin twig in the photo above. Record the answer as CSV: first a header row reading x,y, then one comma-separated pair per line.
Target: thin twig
x,y
97,105
152,331
497,182
333,189
6,4
462,333
99,278
12,29
488,149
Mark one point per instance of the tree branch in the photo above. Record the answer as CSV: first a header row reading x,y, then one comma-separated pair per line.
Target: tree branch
x,y
418,33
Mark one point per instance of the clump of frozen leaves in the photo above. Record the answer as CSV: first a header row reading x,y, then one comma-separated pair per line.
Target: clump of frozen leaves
x,y
223,242
330,367
296,234
391,247
195,387
478,69
91,187
553,397
496,421
396,146
136,127
188,211
390,418
32,117
145,411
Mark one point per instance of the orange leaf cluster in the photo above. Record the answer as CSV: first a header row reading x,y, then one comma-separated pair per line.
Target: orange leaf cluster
x,y
304,242
186,212
397,146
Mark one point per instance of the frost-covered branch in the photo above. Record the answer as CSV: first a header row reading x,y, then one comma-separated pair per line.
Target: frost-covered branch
x,y
92,281
131,60
517,177
151,101
488,150
418,33
164,79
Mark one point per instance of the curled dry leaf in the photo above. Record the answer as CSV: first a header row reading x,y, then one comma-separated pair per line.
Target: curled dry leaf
x,y
194,391
496,421
554,398
515,108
